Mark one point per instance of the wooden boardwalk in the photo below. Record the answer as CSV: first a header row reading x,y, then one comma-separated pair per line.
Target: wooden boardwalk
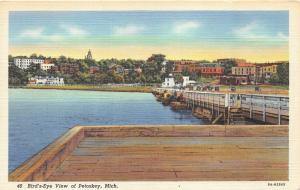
x,y
144,153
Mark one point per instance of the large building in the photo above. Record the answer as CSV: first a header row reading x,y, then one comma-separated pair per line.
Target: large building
x,y
182,65
211,71
267,70
205,69
244,70
49,81
255,72
24,63
46,66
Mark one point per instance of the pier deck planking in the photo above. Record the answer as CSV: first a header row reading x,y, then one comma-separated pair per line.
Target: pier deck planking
x,y
162,152
176,158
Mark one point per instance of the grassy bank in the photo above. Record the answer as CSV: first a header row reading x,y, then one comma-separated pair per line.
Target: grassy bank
x,y
144,89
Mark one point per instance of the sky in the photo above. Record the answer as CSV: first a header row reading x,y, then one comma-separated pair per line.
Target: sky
x,y
257,36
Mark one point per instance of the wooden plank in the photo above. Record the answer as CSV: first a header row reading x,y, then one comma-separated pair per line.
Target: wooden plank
x,y
41,165
125,153
207,158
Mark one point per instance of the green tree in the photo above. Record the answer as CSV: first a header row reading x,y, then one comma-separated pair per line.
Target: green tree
x,y
10,59
33,56
62,60
157,58
118,78
274,79
16,76
185,72
283,73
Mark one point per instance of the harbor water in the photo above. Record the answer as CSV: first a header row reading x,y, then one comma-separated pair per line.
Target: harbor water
x,y
38,117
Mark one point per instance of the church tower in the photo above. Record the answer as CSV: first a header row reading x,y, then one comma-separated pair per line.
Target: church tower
x,y
89,55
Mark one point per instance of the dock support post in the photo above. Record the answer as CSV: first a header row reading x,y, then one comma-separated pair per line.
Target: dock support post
x,y
212,107
193,99
218,104
250,109
264,110
279,112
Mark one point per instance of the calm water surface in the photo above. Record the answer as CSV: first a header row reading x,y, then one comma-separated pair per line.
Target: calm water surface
x,y
37,117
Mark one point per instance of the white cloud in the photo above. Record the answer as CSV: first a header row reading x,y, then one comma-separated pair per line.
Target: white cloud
x,y
253,30
128,30
73,30
183,27
32,33
247,31
282,36
39,34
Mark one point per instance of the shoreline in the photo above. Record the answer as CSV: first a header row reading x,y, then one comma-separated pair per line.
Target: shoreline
x,y
139,89
265,89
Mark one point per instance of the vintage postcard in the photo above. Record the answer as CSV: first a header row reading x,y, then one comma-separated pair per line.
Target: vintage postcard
x,y
149,95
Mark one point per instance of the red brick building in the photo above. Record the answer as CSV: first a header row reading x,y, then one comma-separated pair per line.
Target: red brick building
x,y
184,65
211,71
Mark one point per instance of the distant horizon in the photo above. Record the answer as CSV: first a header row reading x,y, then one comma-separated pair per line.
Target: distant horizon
x,y
257,36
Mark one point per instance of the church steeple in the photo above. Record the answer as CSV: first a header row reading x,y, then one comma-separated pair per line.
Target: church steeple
x,y
89,55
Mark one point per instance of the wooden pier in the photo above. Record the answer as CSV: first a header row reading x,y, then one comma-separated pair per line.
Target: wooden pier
x,y
234,108
162,152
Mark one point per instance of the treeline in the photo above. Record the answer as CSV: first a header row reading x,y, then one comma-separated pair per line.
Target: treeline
x,y
151,70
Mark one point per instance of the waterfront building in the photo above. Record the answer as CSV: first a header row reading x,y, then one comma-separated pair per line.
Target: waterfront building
x,y
169,82
244,70
267,70
49,81
187,81
24,63
255,72
89,55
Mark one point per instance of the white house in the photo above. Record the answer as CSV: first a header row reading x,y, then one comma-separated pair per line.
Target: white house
x,y
187,81
46,66
24,63
50,81
169,82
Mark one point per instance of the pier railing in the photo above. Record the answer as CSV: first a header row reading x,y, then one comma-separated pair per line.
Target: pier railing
x,y
265,108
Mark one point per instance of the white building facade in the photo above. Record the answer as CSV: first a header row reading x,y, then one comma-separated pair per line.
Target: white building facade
x,y
46,81
169,83
24,63
46,66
